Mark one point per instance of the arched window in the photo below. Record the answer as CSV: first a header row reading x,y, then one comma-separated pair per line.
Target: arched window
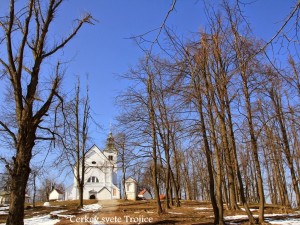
x,y
93,180
110,157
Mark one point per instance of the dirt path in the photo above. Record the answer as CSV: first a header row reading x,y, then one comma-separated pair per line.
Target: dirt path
x,y
109,205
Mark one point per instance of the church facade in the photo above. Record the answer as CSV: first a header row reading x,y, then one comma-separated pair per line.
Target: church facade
x,y
100,175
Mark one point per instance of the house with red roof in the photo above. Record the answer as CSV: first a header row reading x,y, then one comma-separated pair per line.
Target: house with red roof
x,y
144,194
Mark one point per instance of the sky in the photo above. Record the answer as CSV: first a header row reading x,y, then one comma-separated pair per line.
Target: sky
x,y
105,51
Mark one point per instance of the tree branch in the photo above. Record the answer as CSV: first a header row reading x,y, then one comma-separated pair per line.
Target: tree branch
x,y
86,19
41,112
12,134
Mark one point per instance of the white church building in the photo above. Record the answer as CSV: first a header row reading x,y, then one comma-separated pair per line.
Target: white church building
x,y
100,176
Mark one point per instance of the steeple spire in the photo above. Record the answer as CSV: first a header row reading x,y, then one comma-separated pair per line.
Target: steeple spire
x,y
110,143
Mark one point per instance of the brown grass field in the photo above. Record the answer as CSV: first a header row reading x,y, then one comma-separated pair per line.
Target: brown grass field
x,y
137,212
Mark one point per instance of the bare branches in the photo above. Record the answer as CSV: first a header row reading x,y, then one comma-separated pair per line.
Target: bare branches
x,y
141,38
162,26
24,39
87,19
12,134
48,102
286,21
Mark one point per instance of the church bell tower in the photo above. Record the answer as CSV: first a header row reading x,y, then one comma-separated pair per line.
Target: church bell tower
x,y
111,153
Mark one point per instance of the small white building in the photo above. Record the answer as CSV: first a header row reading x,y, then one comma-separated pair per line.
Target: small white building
x,y
56,195
131,188
5,197
144,194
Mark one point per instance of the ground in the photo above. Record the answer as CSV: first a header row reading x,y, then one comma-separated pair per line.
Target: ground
x,y
141,212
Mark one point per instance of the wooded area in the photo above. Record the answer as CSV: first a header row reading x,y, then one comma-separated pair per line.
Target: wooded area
x,y
215,118
218,116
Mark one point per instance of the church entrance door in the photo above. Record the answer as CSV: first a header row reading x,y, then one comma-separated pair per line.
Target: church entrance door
x,y
92,197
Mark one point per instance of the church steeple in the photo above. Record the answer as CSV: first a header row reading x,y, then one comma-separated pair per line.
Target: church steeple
x,y
110,143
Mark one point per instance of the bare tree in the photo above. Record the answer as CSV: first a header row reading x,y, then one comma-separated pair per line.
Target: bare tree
x,y
74,136
126,156
25,33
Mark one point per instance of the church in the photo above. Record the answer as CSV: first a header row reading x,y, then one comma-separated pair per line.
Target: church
x,y
100,176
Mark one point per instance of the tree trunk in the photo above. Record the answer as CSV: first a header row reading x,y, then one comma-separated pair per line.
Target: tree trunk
x,y
20,175
235,161
154,143
254,148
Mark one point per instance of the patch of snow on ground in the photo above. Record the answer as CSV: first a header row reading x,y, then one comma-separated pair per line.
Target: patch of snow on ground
x,y
174,213
39,220
243,209
92,207
202,208
46,204
42,220
57,212
285,222
4,208
288,221
236,217
245,216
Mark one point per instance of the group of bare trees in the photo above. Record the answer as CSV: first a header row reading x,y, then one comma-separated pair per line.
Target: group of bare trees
x,y
215,116
218,119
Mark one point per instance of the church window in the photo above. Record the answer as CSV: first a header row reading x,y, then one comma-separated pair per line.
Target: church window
x,y
93,162
93,180
110,157
114,192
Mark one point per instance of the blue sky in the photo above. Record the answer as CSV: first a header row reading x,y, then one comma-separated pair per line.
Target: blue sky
x,y
104,51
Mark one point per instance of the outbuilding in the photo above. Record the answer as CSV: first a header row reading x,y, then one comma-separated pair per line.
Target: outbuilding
x,y
56,194
144,194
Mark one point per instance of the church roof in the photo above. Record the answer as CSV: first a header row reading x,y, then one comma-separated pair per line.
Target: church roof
x,y
58,191
130,180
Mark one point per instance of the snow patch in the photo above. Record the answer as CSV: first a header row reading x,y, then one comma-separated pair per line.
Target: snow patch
x,y
202,208
243,209
92,207
245,216
236,217
57,212
4,208
175,213
285,222
288,221
46,204
39,220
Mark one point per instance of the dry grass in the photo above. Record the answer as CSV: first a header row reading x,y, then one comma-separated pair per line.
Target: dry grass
x,y
186,214
190,212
